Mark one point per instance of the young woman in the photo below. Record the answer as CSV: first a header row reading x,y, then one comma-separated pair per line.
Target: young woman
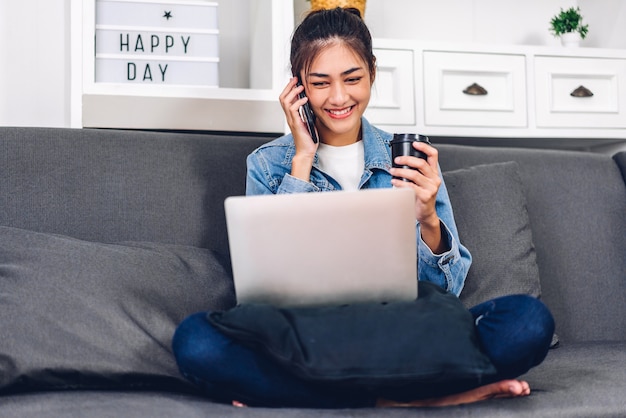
x,y
332,54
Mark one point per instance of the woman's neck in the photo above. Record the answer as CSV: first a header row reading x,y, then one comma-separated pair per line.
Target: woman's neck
x,y
343,139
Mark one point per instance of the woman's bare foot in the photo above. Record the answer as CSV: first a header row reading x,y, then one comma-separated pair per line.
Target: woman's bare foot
x,y
239,404
501,389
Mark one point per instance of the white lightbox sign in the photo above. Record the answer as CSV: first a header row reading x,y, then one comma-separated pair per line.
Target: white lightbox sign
x,y
153,42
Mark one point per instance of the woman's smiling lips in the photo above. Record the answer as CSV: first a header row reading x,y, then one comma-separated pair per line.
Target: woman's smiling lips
x,y
340,113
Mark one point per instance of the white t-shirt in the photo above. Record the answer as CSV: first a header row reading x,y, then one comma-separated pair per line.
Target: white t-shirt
x,y
344,164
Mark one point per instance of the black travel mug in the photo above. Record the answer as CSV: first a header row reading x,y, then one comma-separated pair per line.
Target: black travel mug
x,y
402,144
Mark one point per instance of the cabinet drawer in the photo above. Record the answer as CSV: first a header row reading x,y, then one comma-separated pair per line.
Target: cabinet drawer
x,y
580,92
474,89
393,92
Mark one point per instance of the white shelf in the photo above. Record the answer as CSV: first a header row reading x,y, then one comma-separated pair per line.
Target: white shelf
x,y
152,105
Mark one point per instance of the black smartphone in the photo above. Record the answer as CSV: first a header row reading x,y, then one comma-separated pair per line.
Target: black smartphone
x,y
307,116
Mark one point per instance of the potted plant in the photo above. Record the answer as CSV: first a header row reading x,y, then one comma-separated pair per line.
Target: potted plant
x,y
568,25
331,4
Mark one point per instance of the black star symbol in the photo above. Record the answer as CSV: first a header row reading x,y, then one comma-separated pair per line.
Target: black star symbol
x,y
168,15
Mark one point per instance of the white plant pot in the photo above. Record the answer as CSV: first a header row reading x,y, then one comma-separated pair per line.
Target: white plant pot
x,y
571,39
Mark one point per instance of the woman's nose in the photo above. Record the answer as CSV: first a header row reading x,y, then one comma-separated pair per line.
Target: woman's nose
x,y
338,94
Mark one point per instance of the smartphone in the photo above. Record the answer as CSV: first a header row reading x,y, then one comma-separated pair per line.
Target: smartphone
x,y
307,115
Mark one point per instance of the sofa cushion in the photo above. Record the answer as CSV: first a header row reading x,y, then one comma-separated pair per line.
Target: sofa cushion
x,y
78,314
434,350
576,205
490,212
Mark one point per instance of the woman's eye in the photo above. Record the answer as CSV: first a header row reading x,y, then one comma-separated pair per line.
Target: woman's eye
x,y
354,79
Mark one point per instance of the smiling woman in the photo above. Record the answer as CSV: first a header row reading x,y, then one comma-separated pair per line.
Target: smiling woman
x,y
331,52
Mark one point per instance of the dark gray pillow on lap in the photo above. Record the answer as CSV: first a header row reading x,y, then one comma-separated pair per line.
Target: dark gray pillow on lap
x,y
489,206
79,314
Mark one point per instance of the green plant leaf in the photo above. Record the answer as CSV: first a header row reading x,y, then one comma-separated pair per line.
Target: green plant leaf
x,y
569,20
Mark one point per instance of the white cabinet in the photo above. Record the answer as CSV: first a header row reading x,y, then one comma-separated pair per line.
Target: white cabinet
x,y
505,91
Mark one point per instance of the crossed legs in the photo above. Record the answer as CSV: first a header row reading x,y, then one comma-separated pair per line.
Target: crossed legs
x,y
514,331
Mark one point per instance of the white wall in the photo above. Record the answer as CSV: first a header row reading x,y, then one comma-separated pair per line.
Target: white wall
x,y
507,22
607,22
489,21
34,63
35,40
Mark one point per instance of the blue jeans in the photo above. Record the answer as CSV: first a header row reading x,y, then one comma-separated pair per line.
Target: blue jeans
x,y
514,331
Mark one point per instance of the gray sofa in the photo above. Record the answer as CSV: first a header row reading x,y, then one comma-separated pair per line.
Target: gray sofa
x,y
108,239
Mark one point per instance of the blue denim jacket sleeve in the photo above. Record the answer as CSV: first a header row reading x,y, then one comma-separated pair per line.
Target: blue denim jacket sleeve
x,y
447,270
267,177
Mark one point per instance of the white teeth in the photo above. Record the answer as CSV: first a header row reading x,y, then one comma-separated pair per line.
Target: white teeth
x,y
340,112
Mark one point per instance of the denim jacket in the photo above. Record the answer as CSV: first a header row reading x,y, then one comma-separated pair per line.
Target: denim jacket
x,y
269,169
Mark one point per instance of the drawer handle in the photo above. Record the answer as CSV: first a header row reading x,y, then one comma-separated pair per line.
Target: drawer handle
x,y
581,91
475,90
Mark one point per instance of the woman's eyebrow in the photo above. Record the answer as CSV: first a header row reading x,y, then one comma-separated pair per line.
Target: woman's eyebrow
x,y
351,70
347,72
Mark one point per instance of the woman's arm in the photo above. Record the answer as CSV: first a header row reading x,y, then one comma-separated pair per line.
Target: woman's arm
x,y
442,259
290,101
448,269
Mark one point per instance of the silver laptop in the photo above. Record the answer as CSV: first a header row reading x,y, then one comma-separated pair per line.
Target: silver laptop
x,y
328,248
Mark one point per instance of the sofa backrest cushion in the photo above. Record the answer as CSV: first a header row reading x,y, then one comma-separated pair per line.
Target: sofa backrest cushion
x,y
577,207
489,206
110,185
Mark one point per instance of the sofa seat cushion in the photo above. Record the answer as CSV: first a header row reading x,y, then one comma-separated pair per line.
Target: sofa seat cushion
x,y
576,381
489,205
586,379
78,314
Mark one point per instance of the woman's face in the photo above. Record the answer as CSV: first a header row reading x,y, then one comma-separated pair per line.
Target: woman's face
x,y
339,88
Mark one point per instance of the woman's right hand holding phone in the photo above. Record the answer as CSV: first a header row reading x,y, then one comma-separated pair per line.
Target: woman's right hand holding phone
x,y
305,147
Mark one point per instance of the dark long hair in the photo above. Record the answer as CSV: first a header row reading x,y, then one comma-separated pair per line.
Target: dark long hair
x,y
321,28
